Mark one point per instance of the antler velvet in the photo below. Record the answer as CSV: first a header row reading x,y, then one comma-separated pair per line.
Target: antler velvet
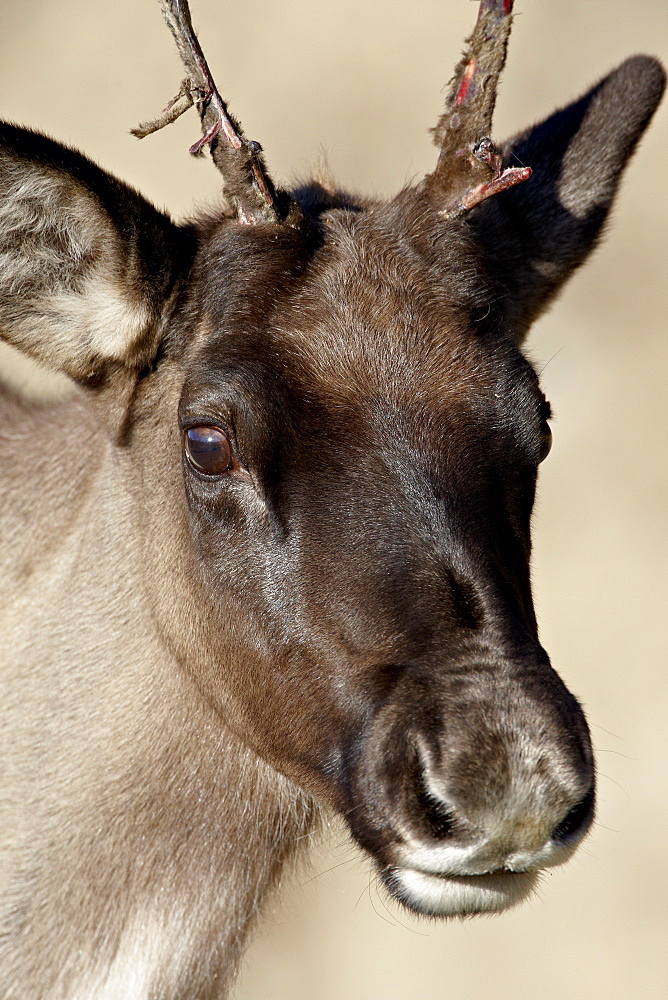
x,y
469,167
246,183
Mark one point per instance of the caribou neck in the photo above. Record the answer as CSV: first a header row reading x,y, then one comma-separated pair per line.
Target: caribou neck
x,y
190,829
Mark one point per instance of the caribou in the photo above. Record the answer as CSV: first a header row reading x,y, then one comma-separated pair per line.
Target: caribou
x,y
271,557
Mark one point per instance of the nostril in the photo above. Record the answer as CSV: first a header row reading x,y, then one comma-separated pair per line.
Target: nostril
x,y
575,819
437,819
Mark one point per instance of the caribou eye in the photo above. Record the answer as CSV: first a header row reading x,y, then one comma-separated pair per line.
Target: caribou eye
x,y
545,441
208,450
545,430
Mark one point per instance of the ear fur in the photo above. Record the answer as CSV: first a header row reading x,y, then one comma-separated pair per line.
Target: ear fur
x,y
86,264
538,233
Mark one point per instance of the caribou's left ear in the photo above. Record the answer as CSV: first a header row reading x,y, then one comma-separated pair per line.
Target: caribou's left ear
x,y
537,233
86,265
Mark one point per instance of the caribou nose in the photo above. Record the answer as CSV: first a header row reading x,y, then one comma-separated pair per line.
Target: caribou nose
x,y
467,782
577,820
440,820
450,864
524,829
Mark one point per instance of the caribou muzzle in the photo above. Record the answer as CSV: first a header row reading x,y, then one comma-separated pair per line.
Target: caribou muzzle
x,y
467,783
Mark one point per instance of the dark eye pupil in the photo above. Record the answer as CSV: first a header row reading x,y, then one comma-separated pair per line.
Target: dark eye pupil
x,y
545,441
209,450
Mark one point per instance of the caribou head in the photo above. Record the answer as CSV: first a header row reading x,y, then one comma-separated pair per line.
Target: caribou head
x,y
358,409
305,449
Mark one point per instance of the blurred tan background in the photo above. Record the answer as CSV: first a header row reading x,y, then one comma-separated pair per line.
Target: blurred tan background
x,y
361,80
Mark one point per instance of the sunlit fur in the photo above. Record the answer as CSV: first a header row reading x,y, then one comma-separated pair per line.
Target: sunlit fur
x,y
193,665
459,895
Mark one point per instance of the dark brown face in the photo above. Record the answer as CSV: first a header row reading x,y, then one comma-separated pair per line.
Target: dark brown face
x,y
359,464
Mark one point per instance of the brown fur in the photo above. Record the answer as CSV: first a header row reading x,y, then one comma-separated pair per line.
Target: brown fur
x,y
191,663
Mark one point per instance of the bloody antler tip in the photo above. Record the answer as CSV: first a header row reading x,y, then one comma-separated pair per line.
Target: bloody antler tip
x,y
502,181
469,168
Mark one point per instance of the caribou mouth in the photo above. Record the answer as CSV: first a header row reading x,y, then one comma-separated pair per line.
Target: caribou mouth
x,y
457,895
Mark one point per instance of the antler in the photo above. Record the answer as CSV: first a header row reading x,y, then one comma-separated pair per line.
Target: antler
x,y
469,167
246,183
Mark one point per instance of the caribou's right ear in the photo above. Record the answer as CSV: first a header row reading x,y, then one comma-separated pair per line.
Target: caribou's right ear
x,y
537,233
86,264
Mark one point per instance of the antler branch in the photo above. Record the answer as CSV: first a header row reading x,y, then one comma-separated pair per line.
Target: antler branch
x,y
246,183
469,168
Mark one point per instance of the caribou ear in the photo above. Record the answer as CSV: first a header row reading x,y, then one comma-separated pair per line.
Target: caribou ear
x,y
86,265
536,234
